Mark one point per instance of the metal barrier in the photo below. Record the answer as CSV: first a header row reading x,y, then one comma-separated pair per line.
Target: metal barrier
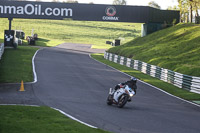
x,y
1,49
180,80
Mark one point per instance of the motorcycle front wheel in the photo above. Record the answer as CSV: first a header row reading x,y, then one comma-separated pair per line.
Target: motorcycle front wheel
x,y
122,101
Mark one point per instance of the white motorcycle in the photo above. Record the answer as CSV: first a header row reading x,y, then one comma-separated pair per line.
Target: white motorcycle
x,y
120,97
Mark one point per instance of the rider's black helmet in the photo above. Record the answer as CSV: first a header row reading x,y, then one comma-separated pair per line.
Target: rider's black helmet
x,y
134,79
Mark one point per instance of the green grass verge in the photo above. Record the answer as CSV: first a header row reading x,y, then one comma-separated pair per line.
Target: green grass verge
x,y
16,65
87,32
153,81
24,119
176,48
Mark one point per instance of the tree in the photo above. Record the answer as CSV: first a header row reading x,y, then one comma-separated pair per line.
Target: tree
x,y
191,9
196,7
173,8
184,12
188,8
119,2
153,4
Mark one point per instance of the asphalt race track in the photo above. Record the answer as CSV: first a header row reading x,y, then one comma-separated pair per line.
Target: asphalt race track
x,y
68,79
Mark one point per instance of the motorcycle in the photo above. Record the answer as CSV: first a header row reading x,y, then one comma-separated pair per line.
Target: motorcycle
x,y
121,96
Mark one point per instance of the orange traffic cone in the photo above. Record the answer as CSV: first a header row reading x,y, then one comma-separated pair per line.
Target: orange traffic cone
x,y
22,86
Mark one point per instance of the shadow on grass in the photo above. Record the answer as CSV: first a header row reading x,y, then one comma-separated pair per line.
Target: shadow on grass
x,y
39,42
42,42
101,27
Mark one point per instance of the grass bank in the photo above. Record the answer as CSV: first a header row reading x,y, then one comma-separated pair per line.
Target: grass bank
x,y
153,81
16,65
176,48
23,119
54,32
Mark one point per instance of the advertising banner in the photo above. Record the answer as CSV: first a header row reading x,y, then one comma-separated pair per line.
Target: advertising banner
x,y
86,12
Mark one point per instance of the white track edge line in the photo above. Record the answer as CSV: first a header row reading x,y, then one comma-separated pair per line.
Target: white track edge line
x,y
33,64
73,118
62,112
34,71
149,84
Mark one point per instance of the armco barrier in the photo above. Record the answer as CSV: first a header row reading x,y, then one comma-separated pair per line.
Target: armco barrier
x,y
1,49
180,80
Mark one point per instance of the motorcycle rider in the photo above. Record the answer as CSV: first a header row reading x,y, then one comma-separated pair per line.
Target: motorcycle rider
x,y
130,83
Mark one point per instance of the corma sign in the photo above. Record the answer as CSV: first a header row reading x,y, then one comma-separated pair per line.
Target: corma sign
x,y
34,9
110,12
